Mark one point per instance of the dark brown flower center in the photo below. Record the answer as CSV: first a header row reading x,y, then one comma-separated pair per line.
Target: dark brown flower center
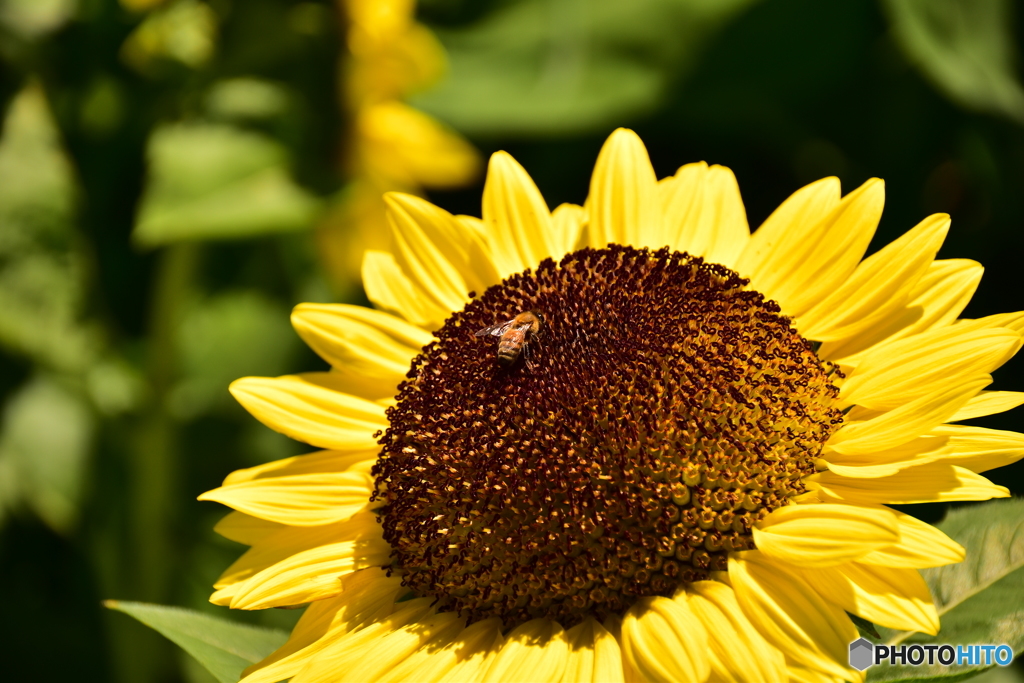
x,y
660,411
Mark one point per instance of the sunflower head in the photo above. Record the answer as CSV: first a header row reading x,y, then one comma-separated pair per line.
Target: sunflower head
x,y
665,412
673,462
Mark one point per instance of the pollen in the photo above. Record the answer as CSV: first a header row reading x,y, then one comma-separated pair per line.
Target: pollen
x,y
664,409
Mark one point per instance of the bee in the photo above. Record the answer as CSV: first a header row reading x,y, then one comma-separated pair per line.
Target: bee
x,y
515,336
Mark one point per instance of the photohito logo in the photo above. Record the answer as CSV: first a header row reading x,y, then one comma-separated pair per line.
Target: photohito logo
x,y
864,653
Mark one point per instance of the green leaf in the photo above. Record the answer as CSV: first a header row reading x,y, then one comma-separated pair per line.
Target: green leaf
x,y
45,438
42,268
914,675
225,648
979,600
864,627
214,182
561,66
32,19
965,47
247,98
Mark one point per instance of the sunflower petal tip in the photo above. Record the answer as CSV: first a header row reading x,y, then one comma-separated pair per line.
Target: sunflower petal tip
x,y
622,141
499,157
871,190
239,387
298,317
958,551
397,201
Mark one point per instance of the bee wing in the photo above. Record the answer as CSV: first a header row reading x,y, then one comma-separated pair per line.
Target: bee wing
x,y
496,330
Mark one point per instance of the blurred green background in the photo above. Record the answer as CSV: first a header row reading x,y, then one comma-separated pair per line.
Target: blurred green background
x,y
163,166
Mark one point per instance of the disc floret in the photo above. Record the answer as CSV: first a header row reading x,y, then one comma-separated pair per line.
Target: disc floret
x,y
665,410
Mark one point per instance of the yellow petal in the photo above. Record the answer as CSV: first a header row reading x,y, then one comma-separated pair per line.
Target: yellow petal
x,y
320,461
623,201
361,339
535,651
437,252
902,371
920,545
391,289
381,391
310,574
800,674
704,214
299,500
738,653
517,217
681,199
335,649
768,256
888,596
431,663
829,252
979,449
723,217
663,641
1012,321
879,286
392,55
874,471
368,597
288,541
935,301
473,224
371,351
308,408
812,632
312,625
870,464
594,655
401,146
243,528
989,403
900,425
824,535
223,596
567,225
930,483
613,624
378,658
974,448
474,661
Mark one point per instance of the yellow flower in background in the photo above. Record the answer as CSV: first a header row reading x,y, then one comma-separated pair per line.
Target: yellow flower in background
x,y
683,477
391,146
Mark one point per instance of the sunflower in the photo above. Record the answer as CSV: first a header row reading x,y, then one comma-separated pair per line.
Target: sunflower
x,y
391,146
680,473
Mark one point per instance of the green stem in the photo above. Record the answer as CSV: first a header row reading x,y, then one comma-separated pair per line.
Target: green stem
x,y
153,465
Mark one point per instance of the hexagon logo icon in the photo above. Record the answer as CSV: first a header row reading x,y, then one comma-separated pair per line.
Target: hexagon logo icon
x,y
862,654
